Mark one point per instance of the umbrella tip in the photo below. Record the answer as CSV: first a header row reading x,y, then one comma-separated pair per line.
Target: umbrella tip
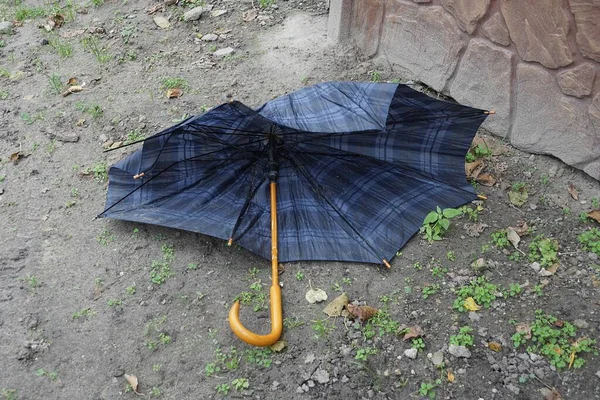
x,y
230,242
386,263
137,176
489,112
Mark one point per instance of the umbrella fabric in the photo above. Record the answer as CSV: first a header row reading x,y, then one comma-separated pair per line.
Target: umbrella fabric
x,y
360,166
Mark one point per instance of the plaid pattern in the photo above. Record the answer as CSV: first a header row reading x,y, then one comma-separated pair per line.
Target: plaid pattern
x,y
360,165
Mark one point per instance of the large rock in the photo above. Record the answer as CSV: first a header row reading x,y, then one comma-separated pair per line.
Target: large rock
x,y
587,19
546,122
486,88
6,27
577,81
495,29
539,30
368,16
425,41
466,12
594,111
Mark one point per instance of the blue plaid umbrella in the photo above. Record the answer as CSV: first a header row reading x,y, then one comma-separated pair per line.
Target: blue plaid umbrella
x,y
358,166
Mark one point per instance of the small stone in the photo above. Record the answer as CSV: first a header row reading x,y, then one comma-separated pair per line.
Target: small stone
x,y
227,51
299,390
461,371
6,27
411,353
513,388
535,266
193,14
592,256
534,357
161,22
598,374
459,351
437,358
580,323
210,37
532,207
321,375
274,385
482,331
473,316
103,138
310,357
310,383
552,171
218,13
539,372
545,272
345,379
532,157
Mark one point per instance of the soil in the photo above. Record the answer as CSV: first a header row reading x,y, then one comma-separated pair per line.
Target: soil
x,y
78,309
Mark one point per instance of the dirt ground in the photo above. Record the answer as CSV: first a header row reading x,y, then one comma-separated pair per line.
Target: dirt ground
x,y
79,309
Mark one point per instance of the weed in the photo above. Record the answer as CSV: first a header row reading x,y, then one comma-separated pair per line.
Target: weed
x,y
500,239
514,290
595,202
128,32
375,76
85,313
545,180
164,338
51,147
2,178
56,83
537,289
481,150
260,357
253,272
62,47
130,290
289,323
97,3
450,256
98,171
544,250
566,211
29,120
554,339
192,266
427,389
479,289
74,192
94,110
347,281
417,343
463,337
437,222
105,237
8,394
322,328
156,367
299,275
223,388
174,83
92,45
381,323
515,256
134,136
211,368
429,290
336,287
583,217
438,271
50,374
155,392
485,248
518,186
265,3
23,12
160,271
4,94
114,302
32,281
418,266
363,354
240,384
590,240
255,297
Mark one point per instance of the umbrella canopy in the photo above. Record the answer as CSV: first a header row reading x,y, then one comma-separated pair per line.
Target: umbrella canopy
x,y
359,167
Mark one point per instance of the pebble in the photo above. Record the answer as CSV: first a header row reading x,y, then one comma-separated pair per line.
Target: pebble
x,y
461,371
161,22
193,14
227,51
532,157
539,372
552,171
459,351
580,323
536,266
534,357
592,256
437,358
473,316
310,357
513,388
210,37
482,331
411,353
217,13
6,27
346,379
532,207
598,374
321,375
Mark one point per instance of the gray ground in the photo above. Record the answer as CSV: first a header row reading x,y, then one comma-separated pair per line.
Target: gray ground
x,y
78,309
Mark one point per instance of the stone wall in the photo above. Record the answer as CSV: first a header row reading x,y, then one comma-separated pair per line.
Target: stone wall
x,y
536,62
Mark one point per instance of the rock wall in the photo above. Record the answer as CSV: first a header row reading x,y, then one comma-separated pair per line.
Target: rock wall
x,y
536,62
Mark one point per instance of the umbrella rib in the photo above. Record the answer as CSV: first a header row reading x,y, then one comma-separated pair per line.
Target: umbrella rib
x,y
318,191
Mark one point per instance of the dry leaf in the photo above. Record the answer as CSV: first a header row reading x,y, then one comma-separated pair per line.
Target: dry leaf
x,y
518,198
278,346
470,304
250,15
315,295
335,308
521,229
524,329
573,192
550,394
412,332
553,268
16,157
495,346
363,313
486,179
155,8
595,282
174,93
513,237
133,382
72,89
450,376
80,122
475,229
595,215
67,34
72,82
472,170
57,20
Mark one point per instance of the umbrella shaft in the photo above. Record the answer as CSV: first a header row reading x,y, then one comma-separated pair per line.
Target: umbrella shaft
x,y
274,255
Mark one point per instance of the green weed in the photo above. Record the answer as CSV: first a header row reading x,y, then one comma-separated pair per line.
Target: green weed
x,y
114,302
417,343
223,388
437,222
477,152
105,237
381,323
463,337
240,384
92,45
364,353
174,83
543,250
427,389
4,94
62,47
590,240
299,275
322,328
500,239
430,290
56,83
84,313
479,289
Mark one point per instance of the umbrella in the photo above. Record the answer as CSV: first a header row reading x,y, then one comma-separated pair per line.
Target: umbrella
x,y
339,171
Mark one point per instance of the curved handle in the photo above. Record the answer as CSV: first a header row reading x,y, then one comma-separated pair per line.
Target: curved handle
x,y
276,322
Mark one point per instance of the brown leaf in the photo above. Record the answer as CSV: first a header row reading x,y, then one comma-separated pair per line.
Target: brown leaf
x,y
155,8
72,81
573,192
475,229
57,20
174,93
553,268
412,332
133,382
72,89
278,346
495,346
521,229
486,179
450,376
595,215
550,394
363,313
513,237
315,295
524,329
250,15
336,306
472,170
16,157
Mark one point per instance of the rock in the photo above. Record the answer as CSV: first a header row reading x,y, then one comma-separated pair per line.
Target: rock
x,y
6,27
434,56
552,171
539,30
594,112
539,372
321,376
461,371
227,51
587,15
210,37
422,1
577,81
580,323
487,88
513,388
310,357
473,316
495,29
218,13
274,385
466,12
598,374
161,22
411,353
437,358
344,379
536,266
544,272
535,357
459,351
368,27
194,14
542,129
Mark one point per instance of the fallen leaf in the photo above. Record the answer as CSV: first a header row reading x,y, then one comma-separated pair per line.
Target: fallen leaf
x,y
518,198
335,308
411,332
155,8
473,169
315,295
495,346
550,394
470,304
57,20
15,157
174,93
475,229
595,282
72,89
486,179
553,268
69,33
278,346
559,323
222,31
573,192
161,22
595,215
363,313
450,376
80,122
572,358
133,382
72,81
218,13
513,237
521,229
524,329
250,15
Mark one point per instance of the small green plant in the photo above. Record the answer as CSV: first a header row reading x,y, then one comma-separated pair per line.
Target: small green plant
x,y
479,289
2,178
155,392
211,369
427,389
160,271
51,375
255,297
438,271
515,256
299,275
543,250
94,110
429,290
364,353
375,76
595,202
164,338
500,239
29,119
583,217
84,313
8,394
537,289
514,290
545,180
4,94
98,171
381,323
265,3
322,328
290,323
566,211
92,45
174,83
555,339
134,136
437,222
74,192
192,266
223,388
590,240
347,281
114,302
260,357
32,281
450,256
24,12
56,84
130,290
336,287
417,343
418,266
463,337
105,237
481,150
156,367
62,47
240,384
